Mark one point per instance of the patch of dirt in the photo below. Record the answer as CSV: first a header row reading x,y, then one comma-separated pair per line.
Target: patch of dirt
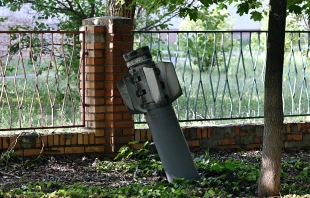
x,y
63,170
71,169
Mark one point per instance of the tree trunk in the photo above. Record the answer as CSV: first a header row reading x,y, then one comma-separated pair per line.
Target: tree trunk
x,y
122,8
269,183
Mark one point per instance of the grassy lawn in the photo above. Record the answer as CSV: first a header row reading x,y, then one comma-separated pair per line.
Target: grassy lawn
x,y
141,174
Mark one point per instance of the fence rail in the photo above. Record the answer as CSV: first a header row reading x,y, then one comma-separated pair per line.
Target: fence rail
x,y
222,72
39,80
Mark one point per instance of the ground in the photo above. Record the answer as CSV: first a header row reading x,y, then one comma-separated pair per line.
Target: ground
x,y
68,170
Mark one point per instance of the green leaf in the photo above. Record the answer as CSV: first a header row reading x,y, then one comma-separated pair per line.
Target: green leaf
x,y
229,165
243,8
206,3
134,142
294,8
2,19
256,16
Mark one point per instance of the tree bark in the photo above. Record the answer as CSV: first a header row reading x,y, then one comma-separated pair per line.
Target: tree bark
x,y
269,183
122,8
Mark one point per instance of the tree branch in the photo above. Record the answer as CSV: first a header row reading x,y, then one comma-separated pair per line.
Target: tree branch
x,y
92,11
157,24
79,6
65,7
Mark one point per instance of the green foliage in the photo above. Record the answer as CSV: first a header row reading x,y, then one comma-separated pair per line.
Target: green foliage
x,y
205,48
140,162
2,19
220,178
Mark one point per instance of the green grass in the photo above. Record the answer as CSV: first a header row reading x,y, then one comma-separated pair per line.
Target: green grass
x,y
23,105
206,94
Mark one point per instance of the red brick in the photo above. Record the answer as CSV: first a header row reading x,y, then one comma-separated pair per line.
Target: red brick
x,y
100,149
258,140
136,146
124,46
56,140
74,139
113,77
119,37
44,139
50,140
128,131
100,132
31,152
76,149
56,150
149,135
204,133
62,139
95,116
100,140
114,100
95,61
114,29
80,138
90,149
116,69
113,132
92,69
294,137
118,139
199,131
5,142
115,61
237,128
15,141
110,84
288,127
299,126
19,152
96,124
143,134
96,109
93,85
95,46
119,124
113,148
112,92
85,138
124,139
127,116
95,93
112,53
92,138
253,146
114,116
96,77
137,135
209,132
193,143
242,133
95,53
227,141
95,29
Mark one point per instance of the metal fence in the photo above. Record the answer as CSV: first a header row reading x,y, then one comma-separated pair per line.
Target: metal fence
x,y
39,80
222,72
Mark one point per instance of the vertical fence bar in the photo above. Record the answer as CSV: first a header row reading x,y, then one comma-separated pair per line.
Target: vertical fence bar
x,y
33,57
241,64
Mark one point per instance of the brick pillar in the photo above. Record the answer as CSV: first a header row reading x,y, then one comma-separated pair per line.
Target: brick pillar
x,y
107,39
